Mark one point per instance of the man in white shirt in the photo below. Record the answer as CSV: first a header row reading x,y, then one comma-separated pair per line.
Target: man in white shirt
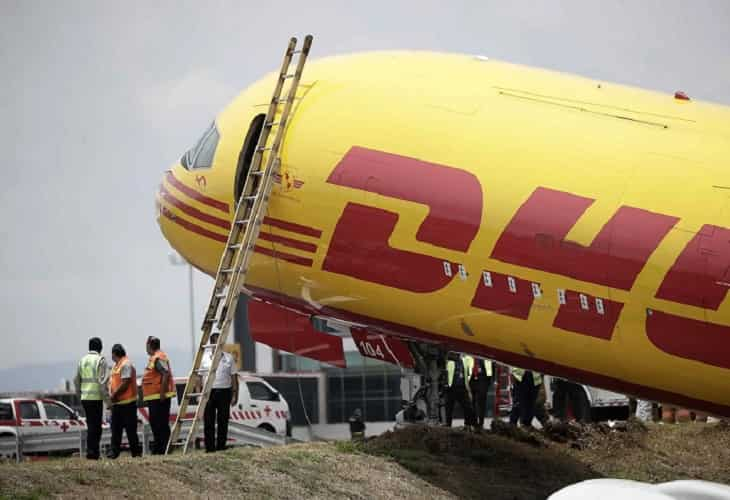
x,y
222,397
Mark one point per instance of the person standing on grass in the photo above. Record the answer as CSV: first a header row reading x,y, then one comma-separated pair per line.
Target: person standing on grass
x,y
90,380
158,387
223,395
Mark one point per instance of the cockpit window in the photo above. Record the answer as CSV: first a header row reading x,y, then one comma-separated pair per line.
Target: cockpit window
x,y
201,155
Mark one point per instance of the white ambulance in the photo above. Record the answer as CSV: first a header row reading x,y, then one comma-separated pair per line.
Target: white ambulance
x,y
259,405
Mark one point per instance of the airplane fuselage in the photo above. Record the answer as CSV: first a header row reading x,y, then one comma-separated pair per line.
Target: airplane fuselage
x,y
553,222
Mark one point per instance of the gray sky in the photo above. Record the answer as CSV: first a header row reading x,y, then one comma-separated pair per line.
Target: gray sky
x,y
98,98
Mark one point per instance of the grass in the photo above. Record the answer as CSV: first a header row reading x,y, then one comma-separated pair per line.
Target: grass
x,y
413,463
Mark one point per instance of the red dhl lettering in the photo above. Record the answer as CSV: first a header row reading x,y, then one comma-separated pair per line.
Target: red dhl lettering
x,y
534,238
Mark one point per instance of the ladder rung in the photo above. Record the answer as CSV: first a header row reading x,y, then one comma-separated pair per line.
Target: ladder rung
x,y
289,75
236,246
187,419
268,148
227,271
243,221
250,198
201,370
221,295
272,124
195,394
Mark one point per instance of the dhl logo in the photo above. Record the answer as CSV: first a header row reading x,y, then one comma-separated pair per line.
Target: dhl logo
x,y
534,238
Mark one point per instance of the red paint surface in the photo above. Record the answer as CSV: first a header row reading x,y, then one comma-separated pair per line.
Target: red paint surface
x,y
507,357
199,197
286,330
394,351
498,298
194,228
294,259
360,248
289,242
589,322
701,274
454,196
689,338
192,211
535,238
294,228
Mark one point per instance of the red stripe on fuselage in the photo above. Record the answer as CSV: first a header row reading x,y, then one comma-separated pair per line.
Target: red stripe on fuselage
x,y
574,318
192,211
294,228
535,238
690,338
197,196
193,227
289,242
295,259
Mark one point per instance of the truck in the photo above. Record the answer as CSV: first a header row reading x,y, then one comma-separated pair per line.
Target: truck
x,y
45,424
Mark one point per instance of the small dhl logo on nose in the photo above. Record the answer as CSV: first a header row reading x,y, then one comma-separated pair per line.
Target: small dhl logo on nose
x,y
288,180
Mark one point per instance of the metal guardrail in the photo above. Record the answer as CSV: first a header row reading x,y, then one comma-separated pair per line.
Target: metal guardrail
x,y
252,436
18,446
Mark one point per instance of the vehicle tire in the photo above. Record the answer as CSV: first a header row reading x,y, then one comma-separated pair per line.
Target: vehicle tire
x,y
267,427
11,456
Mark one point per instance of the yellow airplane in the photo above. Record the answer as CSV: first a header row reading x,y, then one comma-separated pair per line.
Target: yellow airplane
x,y
562,224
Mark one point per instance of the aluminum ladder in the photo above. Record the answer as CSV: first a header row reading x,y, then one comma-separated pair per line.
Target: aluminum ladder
x,y
250,210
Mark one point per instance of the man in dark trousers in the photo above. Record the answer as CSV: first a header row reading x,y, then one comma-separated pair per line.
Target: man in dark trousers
x,y
458,371
481,381
158,387
223,395
91,379
123,395
525,386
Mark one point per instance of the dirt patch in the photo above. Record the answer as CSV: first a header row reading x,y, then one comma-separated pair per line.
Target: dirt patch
x,y
512,466
620,435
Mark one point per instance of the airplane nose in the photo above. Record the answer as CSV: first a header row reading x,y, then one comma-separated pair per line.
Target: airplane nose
x,y
193,217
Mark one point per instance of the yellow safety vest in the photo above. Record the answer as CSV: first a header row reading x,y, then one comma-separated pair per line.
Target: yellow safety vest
x,y
488,367
519,373
89,375
468,363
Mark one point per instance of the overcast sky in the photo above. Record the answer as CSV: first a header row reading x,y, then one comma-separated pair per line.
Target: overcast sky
x,y
99,98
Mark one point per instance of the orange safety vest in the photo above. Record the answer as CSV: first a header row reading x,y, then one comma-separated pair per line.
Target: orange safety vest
x,y
115,382
152,379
